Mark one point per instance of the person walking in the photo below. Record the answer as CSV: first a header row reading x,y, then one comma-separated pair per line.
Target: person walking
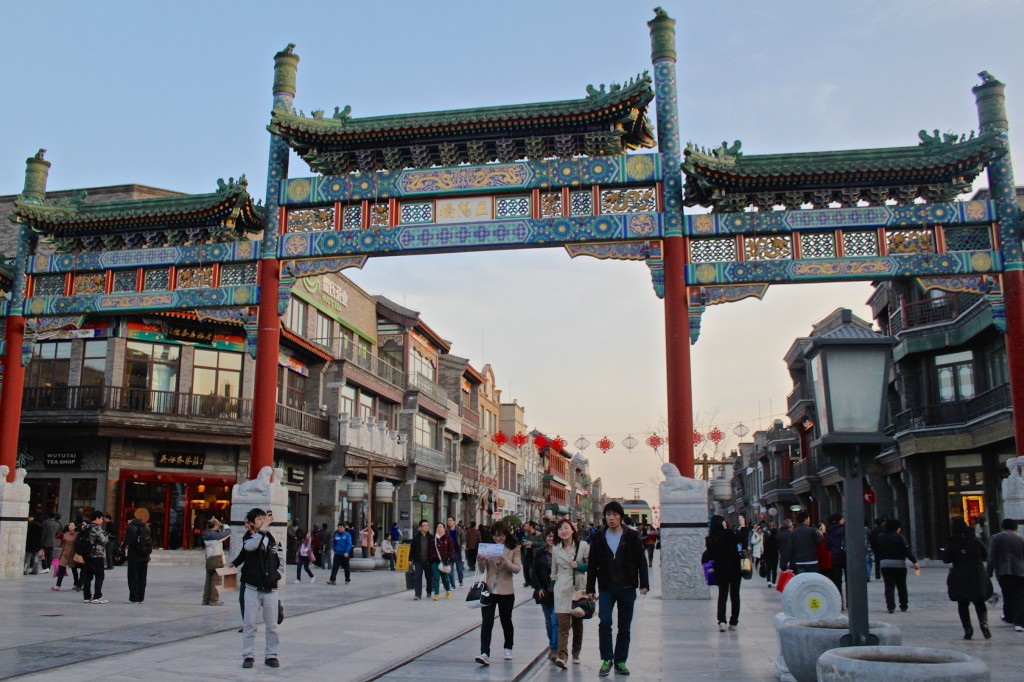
x,y
618,568
261,573
138,546
66,558
967,582
878,529
213,544
458,538
770,556
51,529
803,545
529,538
723,547
835,543
95,558
442,553
570,559
649,535
395,533
342,546
33,545
111,529
757,546
303,555
499,576
544,593
893,555
1006,562
785,542
472,543
419,559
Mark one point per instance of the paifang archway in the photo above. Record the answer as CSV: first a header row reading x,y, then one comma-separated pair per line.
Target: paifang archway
x,y
457,181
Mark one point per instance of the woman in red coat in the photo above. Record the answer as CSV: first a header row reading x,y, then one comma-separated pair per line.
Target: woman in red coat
x,y
442,552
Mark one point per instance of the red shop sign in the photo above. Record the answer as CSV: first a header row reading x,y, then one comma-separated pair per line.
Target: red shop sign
x,y
869,497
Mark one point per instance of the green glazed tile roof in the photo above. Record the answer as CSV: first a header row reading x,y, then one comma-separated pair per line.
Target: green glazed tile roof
x,y
603,123
938,169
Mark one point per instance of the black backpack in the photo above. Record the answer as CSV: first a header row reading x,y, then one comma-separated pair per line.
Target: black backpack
x,y
83,543
142,543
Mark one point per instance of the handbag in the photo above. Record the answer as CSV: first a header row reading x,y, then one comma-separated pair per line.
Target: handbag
x,y
585,606
478,595
746,566
762,569
709,572
78,559
784,577
118,557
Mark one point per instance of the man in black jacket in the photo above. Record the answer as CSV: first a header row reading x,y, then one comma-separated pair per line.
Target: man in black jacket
x,y
617,561
803,545
260,573
419,557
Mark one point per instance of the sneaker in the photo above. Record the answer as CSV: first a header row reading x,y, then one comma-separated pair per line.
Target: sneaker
x,y
483,659
621,669
560,663
247,663
721,627
99,601
347,582
606,667
575,660
296,582
416,598
732,627
437,597
448,594
312,580
272,663
331,582
1018,628
508,654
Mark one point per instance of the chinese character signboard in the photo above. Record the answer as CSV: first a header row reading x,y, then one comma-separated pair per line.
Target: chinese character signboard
x,y
180,460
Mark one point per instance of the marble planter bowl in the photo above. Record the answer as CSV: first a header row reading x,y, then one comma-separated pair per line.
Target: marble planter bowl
x,y
899,663
803,641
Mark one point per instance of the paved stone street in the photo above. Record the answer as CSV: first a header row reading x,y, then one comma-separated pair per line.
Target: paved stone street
x,y
372,629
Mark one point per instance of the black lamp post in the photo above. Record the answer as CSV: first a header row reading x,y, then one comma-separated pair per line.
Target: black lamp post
x,y
849,373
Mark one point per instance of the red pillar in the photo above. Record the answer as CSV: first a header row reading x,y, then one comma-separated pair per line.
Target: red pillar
x,y
677,357
1013,298
10,399
268,338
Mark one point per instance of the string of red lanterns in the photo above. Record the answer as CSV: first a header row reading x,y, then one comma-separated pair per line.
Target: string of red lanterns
x,y
654,441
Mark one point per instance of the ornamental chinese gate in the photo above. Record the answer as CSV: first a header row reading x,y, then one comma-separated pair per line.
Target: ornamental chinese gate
x,y
456,181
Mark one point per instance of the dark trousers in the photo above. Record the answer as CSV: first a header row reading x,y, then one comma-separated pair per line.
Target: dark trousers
x,y
93,572
895,580
609,598
471,559
422,573
302,563
504,604
62,573
137,572
771,569
730,591
528,567
649,548
340,562
805,568
964,610
1012,587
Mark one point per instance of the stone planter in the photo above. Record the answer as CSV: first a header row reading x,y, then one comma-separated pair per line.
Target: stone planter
x,y
903,663
380,563
361,564
803,641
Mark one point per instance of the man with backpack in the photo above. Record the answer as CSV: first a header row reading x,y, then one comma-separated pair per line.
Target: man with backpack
x,y
91,543
138,545
260,575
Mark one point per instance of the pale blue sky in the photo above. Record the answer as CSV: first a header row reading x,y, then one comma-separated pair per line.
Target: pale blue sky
x,y
178,94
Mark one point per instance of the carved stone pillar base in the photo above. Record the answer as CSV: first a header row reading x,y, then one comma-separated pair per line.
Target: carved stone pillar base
x,y
13,524
265,492
684,521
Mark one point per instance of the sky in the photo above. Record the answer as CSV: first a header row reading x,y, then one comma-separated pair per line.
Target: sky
x,y
176,95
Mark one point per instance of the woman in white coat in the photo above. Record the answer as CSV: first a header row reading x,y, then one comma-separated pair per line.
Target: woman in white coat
x,y
757,545
568,575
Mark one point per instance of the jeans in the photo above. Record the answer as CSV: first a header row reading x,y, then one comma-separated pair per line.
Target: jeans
x,y
895,579
1012,587
440,577
566,622
137,572
729,591
391,560
471,559
458,569
31,563
302,563
210,593
340,561
504,604
649,547
94,568
624,598
257,603
422,573
551,625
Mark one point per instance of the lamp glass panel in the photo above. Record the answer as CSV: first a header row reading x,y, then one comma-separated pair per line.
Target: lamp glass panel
x,y
856,382
817,380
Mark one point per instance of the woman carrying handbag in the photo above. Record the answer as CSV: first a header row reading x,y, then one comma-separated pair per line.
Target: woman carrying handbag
x,y
441,554
967,582
499,576
569,576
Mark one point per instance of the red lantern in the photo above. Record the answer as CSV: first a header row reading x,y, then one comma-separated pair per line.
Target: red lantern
x,y
519,440
559,443
698,438
604,445
540,442
715,436
499,438
655,441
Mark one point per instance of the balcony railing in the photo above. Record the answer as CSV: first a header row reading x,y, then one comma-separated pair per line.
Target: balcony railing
x,y
774,484
167,403
800,392
805,468
373,364
957,412
425,385
430,457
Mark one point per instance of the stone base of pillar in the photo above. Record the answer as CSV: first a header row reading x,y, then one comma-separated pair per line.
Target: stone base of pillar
x,y
684,524
265,492
13,523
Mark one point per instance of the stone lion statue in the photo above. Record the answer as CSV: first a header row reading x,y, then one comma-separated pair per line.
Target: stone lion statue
x,y
677,483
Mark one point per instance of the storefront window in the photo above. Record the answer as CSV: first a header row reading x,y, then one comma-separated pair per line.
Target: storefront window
x,y
50,363
295,391
94,363
151,376
83,497
217,373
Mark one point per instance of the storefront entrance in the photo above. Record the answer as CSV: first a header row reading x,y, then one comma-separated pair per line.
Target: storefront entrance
x,y
179,505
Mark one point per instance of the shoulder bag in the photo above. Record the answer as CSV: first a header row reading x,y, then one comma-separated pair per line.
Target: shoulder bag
x,y
444,566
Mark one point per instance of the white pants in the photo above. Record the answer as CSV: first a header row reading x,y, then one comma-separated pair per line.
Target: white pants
x,y
256,604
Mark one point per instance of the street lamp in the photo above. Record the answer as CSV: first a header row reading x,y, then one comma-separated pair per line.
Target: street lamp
x,y
849,374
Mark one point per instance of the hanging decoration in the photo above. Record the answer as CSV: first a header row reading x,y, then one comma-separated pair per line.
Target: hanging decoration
x,y
715,436
519,440
655,441
559,443
698,438
604,445
499,438
540,442
629,443
582,443
741,430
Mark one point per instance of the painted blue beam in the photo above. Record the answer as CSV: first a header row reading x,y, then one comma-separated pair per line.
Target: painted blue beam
x,y
146,301
231,252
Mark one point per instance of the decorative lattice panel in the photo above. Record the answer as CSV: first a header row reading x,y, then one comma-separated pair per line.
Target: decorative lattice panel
x,y
311,219
124,281
157,279
712,250
551,205
860,243
818,245
195,278
352,217
968,238
89,283
49,285
234,275
910,241
513,207
581,203
628,200
773,247
417,213
380,215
